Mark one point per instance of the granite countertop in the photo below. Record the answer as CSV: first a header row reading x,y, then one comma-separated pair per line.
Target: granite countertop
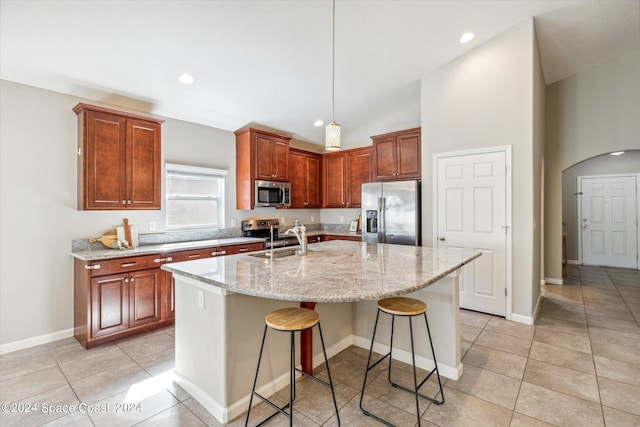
x,y
333,271
92,255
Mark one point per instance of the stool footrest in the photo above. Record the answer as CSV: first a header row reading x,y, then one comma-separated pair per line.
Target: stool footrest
x,y
326,384
437,402
278,409
379,360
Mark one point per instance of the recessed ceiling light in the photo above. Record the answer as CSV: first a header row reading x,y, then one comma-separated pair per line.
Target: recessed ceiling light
x,y
617,153
467,37
186,78
318,123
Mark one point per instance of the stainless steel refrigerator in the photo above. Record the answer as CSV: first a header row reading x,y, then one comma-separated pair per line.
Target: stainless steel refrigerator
x,y
391,212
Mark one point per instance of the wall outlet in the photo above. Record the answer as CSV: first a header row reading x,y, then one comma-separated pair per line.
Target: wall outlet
x,y
200,298
281,220
313,218
153,225
341,218
233,223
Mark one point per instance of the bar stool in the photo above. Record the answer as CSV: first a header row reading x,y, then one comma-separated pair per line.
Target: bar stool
x,y
405,307
291,320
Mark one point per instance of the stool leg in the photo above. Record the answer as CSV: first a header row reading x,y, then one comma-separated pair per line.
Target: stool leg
x,y
255,380
326,362
433,353
292,377
415,374
366,373
393,321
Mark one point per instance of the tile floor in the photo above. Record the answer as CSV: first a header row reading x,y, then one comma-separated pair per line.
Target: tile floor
x,y
579,366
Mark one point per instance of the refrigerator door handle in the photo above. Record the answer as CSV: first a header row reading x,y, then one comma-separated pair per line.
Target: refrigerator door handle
x,y
381,220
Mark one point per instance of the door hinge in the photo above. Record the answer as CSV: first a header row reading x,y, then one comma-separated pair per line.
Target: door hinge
x,y
505,292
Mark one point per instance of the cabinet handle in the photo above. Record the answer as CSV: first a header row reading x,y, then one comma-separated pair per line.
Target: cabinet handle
x,y
158,260
194,256
243,249
92,267
223,253
133,279
128,202
128,264
126,280
215,253
124,202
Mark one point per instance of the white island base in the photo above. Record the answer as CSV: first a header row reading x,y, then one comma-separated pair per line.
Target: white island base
x,y
217,345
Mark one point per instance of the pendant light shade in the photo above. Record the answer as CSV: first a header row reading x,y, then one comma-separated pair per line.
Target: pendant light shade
x,y
332,131
332,137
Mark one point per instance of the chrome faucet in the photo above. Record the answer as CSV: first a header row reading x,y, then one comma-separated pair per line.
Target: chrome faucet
x,y
301,233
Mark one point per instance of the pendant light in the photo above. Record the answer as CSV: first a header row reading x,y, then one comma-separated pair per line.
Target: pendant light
x,y
332,131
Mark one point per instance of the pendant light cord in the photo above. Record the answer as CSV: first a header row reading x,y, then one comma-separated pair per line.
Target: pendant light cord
x,y
333,65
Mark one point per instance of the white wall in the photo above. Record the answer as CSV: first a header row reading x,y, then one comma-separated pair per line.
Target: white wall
x,y
486,99
591,113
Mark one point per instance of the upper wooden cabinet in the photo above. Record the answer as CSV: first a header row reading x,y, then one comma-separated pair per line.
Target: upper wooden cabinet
x,y
343,175
259,155
119,160
397,155
304,173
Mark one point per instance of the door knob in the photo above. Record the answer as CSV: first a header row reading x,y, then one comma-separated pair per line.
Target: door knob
x,y
441,239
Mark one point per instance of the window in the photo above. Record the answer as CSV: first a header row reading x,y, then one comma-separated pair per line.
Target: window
x,y
195,197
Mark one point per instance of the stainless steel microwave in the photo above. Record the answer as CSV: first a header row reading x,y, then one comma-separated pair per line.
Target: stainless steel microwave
x,y
272,193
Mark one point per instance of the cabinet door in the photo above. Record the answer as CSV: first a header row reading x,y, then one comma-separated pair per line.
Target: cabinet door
x,y
312,181
297,172
242,249
280,153
408,156
169,296
143,164
385,150
104,161
334,180
264,157
358,172
109,304
144,297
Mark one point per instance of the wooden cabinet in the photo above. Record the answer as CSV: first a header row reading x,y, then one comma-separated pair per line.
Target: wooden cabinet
x,y
304,173
343,175
396,155
119,160
119,297
260,155
328,237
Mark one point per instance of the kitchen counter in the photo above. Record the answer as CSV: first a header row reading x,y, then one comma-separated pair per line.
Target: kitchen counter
x,y
221,304
335,271
96,254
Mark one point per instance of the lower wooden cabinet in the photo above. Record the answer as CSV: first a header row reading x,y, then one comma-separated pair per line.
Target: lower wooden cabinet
x,y
120,297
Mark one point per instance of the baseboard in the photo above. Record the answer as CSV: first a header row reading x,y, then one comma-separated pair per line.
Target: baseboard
x,y
519,318
447,371
552,281
34,341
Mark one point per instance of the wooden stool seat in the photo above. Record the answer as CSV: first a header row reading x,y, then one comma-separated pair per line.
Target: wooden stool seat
x,y
292,319
401,306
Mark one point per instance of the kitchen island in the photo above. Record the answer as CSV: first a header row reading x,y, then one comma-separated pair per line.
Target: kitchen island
x,y
221,304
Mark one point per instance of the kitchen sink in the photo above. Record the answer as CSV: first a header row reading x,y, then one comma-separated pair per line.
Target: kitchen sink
x,y
276,254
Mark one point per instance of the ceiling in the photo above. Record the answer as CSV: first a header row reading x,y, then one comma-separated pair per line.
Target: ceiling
x,y
268,62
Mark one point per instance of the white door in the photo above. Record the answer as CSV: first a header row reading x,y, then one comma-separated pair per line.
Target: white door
x,y
608,221
471,214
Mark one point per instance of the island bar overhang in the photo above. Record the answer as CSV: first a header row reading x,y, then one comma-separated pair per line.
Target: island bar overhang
x,y
217,342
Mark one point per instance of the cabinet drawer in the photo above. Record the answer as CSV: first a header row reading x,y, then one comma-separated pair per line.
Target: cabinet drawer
x,y
191,254
241,249
122,265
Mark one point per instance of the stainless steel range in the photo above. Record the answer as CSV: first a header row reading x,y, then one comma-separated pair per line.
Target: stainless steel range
x,y
261,228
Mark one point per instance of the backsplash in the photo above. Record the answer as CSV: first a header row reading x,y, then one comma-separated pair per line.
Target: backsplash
x,y
78,245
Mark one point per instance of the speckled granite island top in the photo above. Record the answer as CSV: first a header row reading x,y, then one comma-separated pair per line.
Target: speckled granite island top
x,y
333,271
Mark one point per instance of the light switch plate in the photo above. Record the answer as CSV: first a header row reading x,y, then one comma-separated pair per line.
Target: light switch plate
x,y
153,225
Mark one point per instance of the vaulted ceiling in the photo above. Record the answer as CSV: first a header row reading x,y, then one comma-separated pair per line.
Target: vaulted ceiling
x,y
268,62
